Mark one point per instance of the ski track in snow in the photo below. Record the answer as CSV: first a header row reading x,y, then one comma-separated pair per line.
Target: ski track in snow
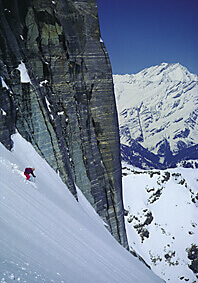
x,y
47,236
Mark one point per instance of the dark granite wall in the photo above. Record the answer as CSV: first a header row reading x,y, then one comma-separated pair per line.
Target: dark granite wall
x,y
68,110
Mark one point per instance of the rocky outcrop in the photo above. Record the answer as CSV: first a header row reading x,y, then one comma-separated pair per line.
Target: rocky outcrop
x,y
57,91
161,220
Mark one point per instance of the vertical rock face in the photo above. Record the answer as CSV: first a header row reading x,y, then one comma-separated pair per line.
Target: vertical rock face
x,y
57,90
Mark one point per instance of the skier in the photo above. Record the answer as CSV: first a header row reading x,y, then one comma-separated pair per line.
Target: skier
x,y
29,171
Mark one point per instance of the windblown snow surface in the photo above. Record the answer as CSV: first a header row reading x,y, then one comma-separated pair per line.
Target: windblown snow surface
x,y
47,236
161,221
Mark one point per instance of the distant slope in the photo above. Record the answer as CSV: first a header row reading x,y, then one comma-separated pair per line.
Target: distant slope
x,y
46,236
161,220
158,108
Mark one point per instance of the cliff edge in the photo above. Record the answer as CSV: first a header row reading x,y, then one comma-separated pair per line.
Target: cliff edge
x,y
57,91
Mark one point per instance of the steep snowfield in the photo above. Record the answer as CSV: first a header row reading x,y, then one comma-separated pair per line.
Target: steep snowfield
x,y
46,236
162,219
158,102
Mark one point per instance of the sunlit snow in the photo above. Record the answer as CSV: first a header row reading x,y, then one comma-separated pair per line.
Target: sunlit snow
x,y
158,102
47,236
163,207
23,73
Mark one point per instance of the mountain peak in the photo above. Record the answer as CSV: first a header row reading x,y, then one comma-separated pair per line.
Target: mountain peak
x,y
158,104
167,72
162,72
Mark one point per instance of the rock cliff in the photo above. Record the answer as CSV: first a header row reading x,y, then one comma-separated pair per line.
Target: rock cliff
x,y
57,91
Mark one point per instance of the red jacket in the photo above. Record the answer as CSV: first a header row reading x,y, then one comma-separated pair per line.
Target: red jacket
x,y
29,171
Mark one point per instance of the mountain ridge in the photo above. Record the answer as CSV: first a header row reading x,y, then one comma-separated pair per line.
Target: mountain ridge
x,y
158,108
157,69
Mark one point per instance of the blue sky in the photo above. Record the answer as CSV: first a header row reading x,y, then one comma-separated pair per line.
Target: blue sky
x,y
143,33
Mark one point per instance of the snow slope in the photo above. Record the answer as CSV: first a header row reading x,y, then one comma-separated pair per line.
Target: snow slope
x,y
156,103
46,236
162,218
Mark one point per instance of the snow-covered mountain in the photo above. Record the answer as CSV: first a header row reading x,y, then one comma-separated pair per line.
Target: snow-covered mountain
x,y
161,220
158,117
158,112
47,236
